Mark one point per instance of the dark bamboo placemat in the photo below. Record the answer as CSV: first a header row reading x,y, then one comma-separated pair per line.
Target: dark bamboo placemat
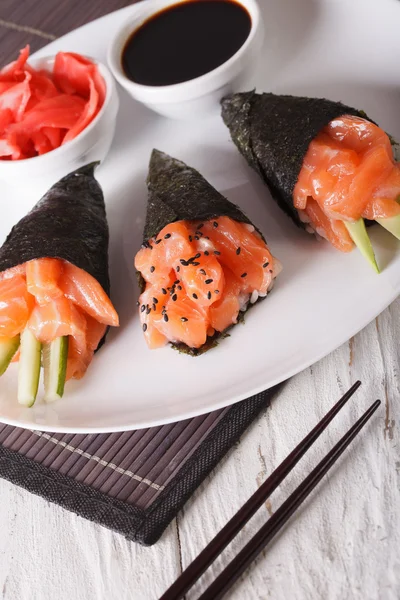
x,y
132,482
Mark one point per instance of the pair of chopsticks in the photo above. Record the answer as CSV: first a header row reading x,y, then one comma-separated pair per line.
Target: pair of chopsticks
x,y
239,564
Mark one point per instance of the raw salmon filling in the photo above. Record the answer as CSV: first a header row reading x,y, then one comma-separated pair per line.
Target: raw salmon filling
x,y
53,298
348,173
199,276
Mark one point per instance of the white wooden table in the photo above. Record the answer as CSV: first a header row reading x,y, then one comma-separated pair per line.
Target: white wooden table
x,y
343,544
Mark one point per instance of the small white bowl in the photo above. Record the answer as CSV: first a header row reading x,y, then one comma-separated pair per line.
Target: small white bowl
x,y
92,144
200,96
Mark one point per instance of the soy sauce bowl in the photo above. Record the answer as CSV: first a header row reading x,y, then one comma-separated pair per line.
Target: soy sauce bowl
x,y
195,98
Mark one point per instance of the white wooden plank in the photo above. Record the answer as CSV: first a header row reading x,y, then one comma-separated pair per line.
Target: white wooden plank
x,y
344,543
47,552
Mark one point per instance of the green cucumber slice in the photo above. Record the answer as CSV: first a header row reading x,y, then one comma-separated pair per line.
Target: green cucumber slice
x,y
392,224
55,357
8,348
359,235
29,368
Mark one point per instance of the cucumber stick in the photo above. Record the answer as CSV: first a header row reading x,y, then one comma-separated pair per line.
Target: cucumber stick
x,y
360,237
392,224
55,357
29,368
8,348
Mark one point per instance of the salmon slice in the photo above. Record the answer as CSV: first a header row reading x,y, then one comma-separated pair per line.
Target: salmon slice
x,y
187,322
58,318
332,230
201,278
380,208
15,306
86,292
187,297
13,272
358,134
79,361
42,278
147,309
348,173
243,252
225,311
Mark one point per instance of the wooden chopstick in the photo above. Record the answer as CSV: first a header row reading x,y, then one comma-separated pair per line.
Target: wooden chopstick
x,y
192,573
239,564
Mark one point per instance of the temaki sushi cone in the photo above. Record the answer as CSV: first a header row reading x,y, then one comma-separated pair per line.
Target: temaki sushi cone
x,y
202,264
328,165
54,286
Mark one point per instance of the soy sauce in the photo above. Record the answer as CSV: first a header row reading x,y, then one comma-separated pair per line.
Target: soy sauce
x,y
185,41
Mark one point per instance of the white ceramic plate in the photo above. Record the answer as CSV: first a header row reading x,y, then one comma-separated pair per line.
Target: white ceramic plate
x,y
344,50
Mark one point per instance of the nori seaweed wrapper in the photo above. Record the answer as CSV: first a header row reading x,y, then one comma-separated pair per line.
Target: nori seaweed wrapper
x,y
69,223
274,132
178,192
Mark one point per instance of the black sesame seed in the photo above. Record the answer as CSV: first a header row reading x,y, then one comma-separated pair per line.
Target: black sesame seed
x,y
195,296
184,319
178,269
207,281
176,281
215,224
265,265
190,238
200,226
164,291
202,271
179,287
270,270
184,262
209,295
144,327
152,269
167,236
206,237
148,310
142,308
198,233
197,255
174,298
158,241
195,263
166,319
154,307
243,275
216,291
238,251
196,237
155,300
217,253
206,253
